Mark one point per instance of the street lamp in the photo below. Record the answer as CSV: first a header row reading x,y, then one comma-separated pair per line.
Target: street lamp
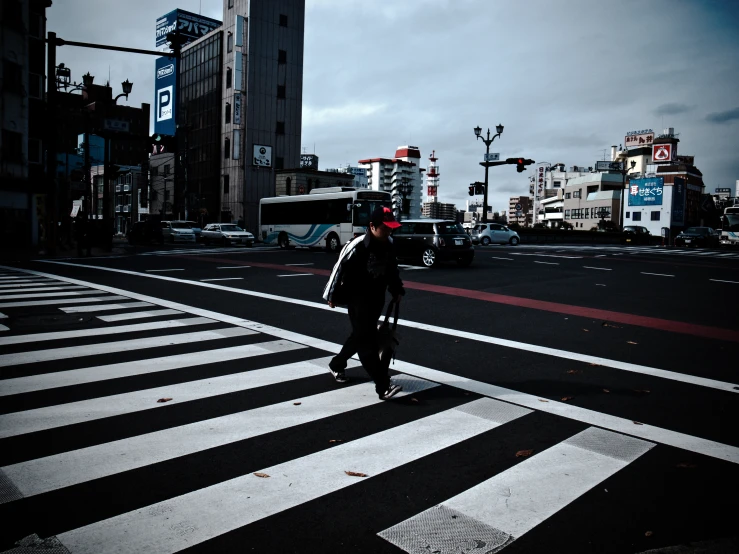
x,y
624,172
488,141
127,86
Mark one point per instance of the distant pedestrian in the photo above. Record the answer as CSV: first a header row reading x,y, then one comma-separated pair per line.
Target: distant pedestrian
x,y
366,268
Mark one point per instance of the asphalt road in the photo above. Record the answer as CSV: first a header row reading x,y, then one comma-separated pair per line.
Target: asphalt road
x,y
557,399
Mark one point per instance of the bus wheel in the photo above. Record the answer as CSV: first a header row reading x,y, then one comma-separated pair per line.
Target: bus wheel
x,y
333,243
282,240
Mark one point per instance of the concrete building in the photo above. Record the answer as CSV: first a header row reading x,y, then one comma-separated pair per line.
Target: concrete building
x,y
161,187
592,197
439,210
293,182
401,176
547,180
553,208
24,188
359,173
524,215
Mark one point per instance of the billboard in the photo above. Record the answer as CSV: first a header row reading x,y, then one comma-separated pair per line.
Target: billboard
x,y
638,138
262,155
190,25
164,95
646,192
663,153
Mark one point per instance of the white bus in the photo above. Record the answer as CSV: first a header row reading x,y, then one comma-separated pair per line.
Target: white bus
x,y
328,217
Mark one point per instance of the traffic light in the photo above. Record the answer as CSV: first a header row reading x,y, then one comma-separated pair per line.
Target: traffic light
x,y
521,163
162,143
472,190
479,188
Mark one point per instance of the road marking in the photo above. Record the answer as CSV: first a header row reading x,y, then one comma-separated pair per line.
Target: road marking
x,y
411,267
225,279
118,346
232,266
547,256
599,285
77,333
237,502
508,505
295,275
507,259
44,295
547,263
722,281
24,279
65,469
4,328
598,268
60,301
2,316
657,274
45,381
137,315
18,284
41,289
301,264
600,256
104,307
165,270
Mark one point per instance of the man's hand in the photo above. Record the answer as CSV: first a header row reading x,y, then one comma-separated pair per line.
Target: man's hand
x,y
331,304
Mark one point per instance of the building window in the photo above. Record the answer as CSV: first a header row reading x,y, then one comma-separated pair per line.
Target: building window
x,y
282,56
637,216
567,195
587,213
230,3
227,148
627,215
288,186
283,20
228,112
557,183
34,151
12,76
280,128
279,162
655,216
230,43
225,184
166,169
576,194
280,91
229,77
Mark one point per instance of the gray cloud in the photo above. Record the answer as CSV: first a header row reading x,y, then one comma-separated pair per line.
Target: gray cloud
x,y
672,109
723,117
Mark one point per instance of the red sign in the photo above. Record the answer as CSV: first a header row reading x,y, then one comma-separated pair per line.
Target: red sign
x,y
431,191
662,153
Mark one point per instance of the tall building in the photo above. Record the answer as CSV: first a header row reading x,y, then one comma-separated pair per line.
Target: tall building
x,y
401,176
24,188
438,210
432,178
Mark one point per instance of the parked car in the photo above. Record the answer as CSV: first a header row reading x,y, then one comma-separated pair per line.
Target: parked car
x,y
177,231
226,233
486,233
635,234
195,227
145,232
698,236
432,241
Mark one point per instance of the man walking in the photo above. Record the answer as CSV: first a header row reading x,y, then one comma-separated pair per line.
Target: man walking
x,y
365,270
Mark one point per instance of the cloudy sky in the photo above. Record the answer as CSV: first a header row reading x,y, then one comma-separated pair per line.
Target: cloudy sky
x,y
567,78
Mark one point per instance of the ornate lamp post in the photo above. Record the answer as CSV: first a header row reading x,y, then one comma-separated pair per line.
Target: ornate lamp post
x,y
488,141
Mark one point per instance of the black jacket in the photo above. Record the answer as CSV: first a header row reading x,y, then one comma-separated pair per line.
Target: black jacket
x,y
366,268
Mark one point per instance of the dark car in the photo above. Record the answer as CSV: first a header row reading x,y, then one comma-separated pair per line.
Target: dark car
x,y
145,232
635,234
432,241
698,236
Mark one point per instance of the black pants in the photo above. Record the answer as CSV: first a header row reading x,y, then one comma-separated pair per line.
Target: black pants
x,y
364,342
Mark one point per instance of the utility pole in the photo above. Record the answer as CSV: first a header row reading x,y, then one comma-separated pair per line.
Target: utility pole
x,y
488,142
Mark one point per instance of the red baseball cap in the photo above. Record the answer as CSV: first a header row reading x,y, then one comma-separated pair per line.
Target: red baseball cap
x,y
383,215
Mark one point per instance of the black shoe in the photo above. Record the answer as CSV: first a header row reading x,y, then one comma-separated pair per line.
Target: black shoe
x,y
391,391
338,374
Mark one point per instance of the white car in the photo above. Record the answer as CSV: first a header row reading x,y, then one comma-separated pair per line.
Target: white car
x,y
226,233
177,231
486,233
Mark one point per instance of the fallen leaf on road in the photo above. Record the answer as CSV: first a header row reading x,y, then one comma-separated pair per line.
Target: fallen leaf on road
x,y
334,440
297,403
524,453
262,475
606,390
606,324
540,400
586,330
573,371
356,474
637,423
631,342
566,398
648,534
594,365
456,341
414,399
687,465
164,400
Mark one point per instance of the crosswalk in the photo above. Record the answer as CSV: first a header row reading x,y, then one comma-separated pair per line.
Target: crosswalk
x,y
199,251
199,429
630,250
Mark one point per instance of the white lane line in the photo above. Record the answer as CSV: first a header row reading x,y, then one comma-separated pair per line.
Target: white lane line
x,y
237,502
24,279
2,316
301,264
547,256
43,295
60,301
118,346
547,263
4,328
104,307
77,333
599,285
41,289
600,256
296,275
613,423
51,417
507,259
233,266
657,274
78,466
598,268
137,315
20,285
157,270
722,281
411,267
510,504
224,279
73,377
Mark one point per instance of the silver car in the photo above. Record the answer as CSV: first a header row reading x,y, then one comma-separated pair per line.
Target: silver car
x,y
226,233
487,233
177,231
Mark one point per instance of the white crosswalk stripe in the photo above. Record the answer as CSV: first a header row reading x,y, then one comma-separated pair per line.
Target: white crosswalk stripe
x,y
621,249
100,428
